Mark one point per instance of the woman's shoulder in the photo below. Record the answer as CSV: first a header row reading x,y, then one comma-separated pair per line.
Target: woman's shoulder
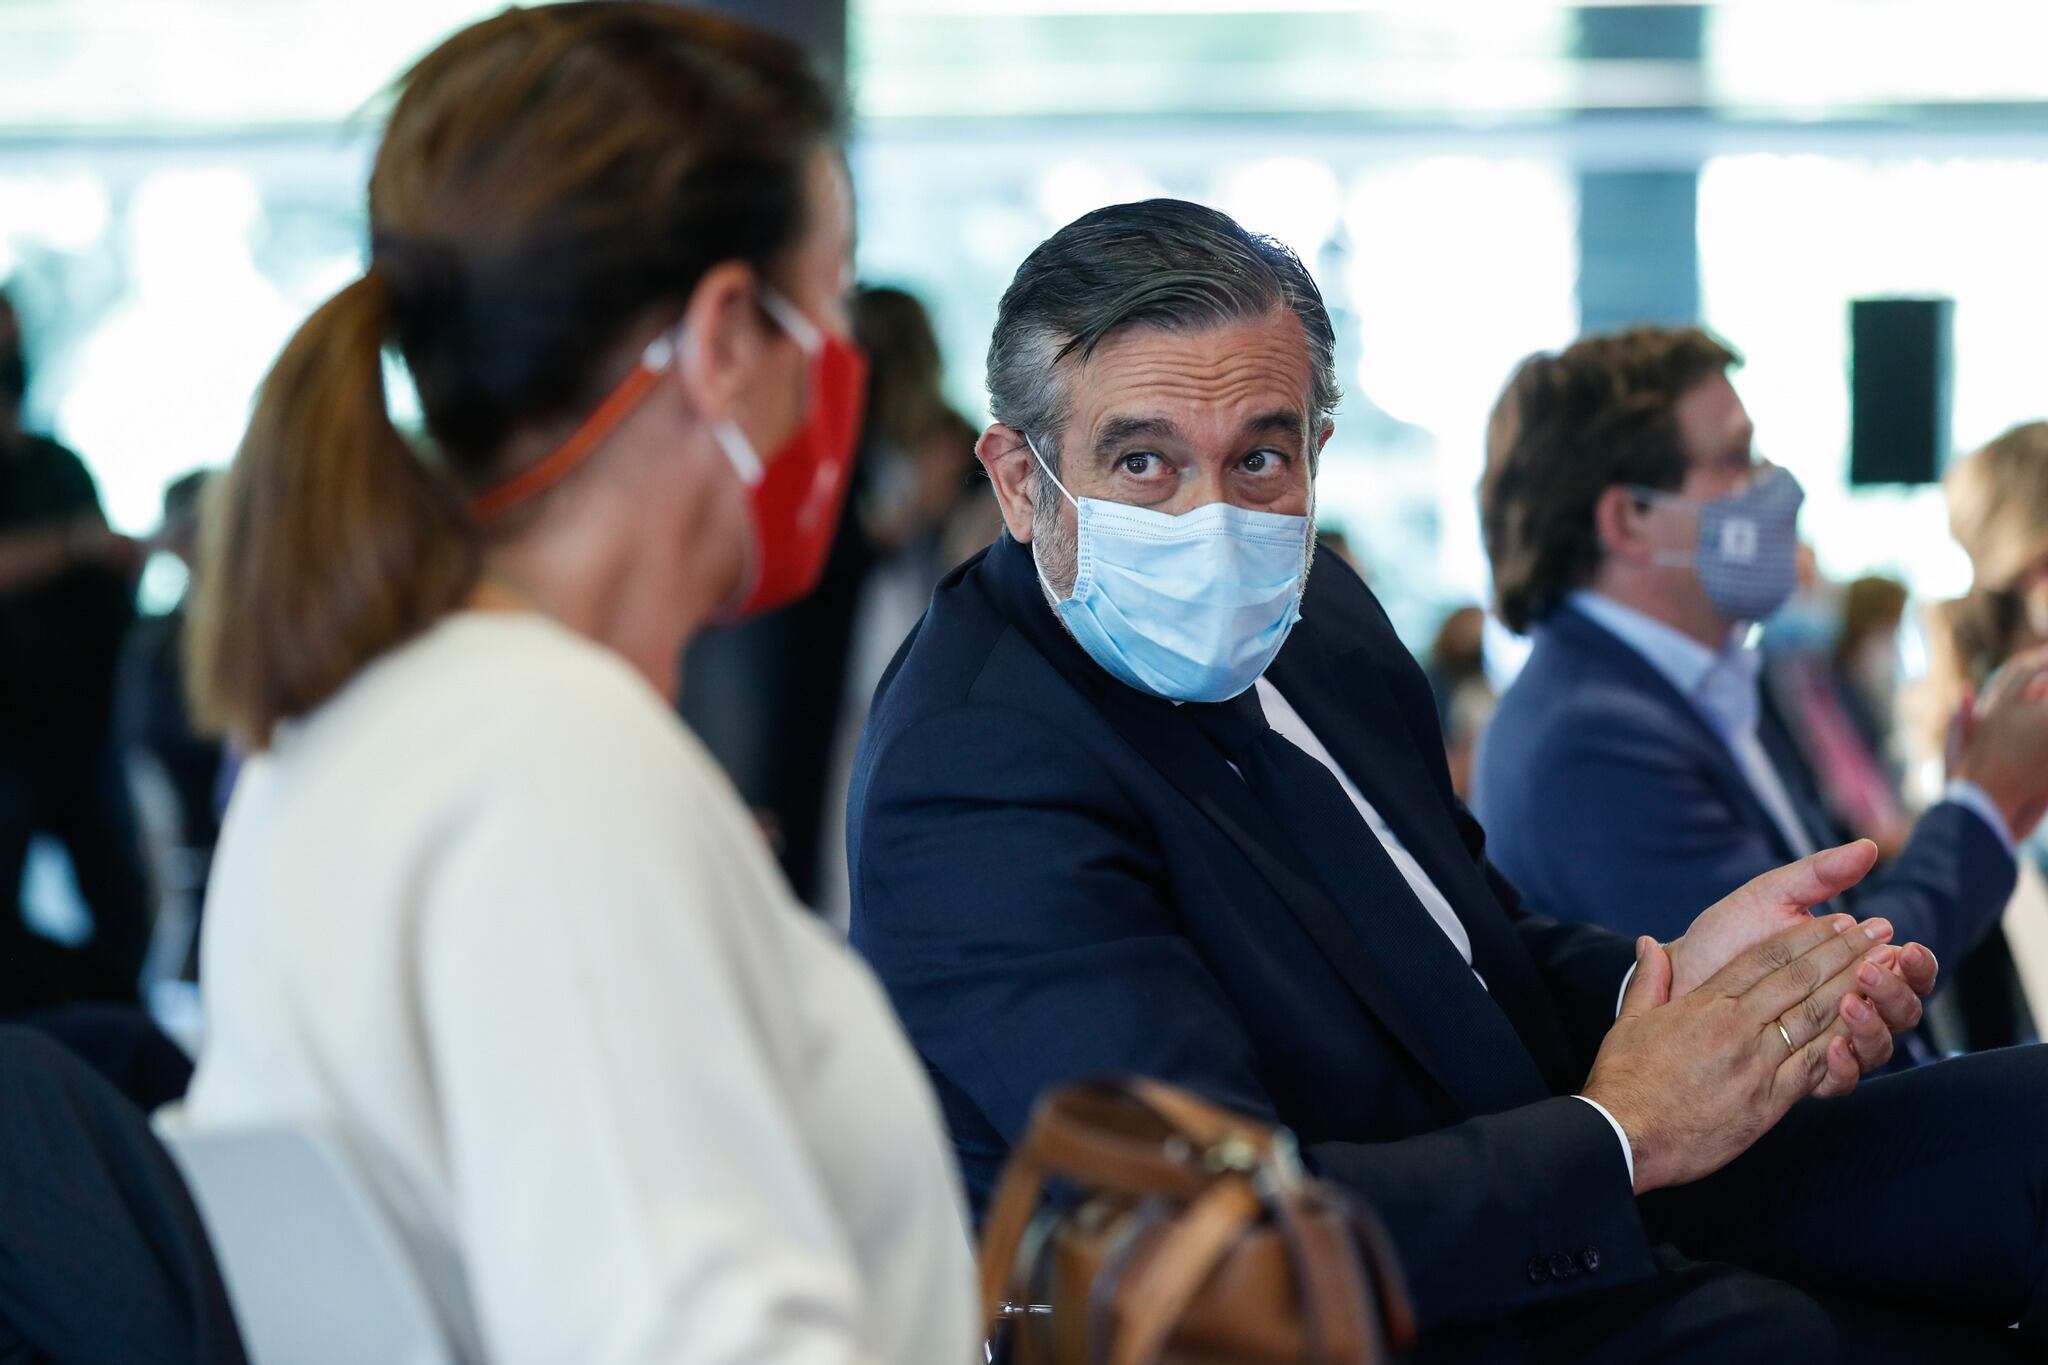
x,y
508,693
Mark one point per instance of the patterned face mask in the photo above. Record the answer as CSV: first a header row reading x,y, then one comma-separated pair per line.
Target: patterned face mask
x,y
1748,548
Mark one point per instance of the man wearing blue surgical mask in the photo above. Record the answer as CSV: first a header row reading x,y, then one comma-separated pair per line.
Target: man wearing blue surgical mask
x,y
1143,794
1636,767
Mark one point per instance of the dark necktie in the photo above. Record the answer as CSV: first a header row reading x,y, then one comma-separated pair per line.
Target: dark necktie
x,y
1325,827
1343,855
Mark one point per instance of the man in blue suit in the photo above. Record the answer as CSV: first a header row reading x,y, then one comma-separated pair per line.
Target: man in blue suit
x,y
1134,799
1635,770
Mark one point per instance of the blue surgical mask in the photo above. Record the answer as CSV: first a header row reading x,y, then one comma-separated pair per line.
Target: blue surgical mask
x,y
1747,557
1190,607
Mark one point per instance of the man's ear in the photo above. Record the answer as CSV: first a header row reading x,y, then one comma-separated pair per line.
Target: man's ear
x,y
1618,522
720,343
1013,471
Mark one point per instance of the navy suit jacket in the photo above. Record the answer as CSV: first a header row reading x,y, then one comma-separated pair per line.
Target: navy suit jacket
x,y
1058,877
1608,797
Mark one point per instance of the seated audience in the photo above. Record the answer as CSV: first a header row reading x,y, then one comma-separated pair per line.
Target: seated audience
x,y
167,751
1998,512
481,905
1134,800
1634,769
66,596
1464,694
154,715
1830,670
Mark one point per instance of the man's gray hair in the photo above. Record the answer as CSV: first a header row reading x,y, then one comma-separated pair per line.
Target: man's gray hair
x,y
1161,263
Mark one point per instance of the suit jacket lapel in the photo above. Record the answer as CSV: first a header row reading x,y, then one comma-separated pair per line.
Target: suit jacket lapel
x,y
1347,704
1398,963
1801,785
1588,635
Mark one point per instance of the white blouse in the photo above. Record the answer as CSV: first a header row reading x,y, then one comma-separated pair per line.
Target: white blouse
x,y
494,916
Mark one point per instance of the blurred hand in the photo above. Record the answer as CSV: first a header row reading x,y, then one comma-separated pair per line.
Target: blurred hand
x,y
2000,740
1694,1081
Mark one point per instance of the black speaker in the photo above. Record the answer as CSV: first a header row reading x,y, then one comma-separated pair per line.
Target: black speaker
x,y
1899,369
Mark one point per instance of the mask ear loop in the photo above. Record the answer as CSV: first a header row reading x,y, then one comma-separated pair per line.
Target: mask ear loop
x,y
1033,445
808,336
538,478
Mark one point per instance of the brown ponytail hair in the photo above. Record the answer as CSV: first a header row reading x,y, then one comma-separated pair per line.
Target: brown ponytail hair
x,y
549,180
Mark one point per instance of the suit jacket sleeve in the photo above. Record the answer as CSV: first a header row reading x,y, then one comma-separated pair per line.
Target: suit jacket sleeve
x,y
1608,864
1009,894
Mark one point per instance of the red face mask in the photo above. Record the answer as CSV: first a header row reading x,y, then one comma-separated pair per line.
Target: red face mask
x,y
793,501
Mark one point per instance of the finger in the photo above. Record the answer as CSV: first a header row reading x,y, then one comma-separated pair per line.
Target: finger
x,y
1889,995
1801,1073
1920,968
1828,1007
1869,1034
1816,878
1842,1073
1808,975
1755,963
1651,984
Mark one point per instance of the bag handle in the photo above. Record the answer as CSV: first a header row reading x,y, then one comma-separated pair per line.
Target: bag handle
x,y
1157,1295
1002,1232
1331,1280
1094,1132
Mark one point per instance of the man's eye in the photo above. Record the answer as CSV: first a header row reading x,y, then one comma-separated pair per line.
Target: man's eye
x,y
1259,461
1139,464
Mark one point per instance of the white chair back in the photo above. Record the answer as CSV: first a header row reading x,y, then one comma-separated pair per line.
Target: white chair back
x,y
314,1271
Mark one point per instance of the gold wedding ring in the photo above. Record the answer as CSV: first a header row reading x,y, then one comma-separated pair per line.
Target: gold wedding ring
x,y
1786,1034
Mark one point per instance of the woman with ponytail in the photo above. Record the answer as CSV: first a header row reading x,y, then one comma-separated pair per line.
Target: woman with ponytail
x,y
481,906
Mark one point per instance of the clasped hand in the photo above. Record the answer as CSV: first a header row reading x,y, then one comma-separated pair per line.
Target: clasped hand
x,y
1697,1065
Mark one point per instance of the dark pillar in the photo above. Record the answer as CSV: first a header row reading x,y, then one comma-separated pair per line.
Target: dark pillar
x,y
1639,229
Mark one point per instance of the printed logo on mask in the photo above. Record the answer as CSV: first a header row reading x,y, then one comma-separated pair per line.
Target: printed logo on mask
x,y
1747,556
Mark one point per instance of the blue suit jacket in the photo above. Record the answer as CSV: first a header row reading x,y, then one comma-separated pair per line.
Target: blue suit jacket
x,y
1608,797
1058,877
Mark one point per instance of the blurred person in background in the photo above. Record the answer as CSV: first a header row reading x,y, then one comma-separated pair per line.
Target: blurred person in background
x,y
1998,513
1633,769
66,598
913,471
1866,661
155,720
976,518
1831,681
1830,669
481,904
1464,694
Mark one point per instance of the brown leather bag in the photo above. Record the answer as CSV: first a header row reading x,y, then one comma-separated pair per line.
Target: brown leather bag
x,y
1195,1240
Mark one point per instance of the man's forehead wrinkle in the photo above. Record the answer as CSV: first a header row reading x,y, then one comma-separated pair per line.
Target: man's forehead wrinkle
x,y
1131,387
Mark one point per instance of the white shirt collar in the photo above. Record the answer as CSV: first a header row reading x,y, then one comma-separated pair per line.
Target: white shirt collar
x,y
1721,684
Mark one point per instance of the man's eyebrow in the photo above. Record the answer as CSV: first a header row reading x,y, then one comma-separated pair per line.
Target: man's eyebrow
x,y
1287,420
1118,430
